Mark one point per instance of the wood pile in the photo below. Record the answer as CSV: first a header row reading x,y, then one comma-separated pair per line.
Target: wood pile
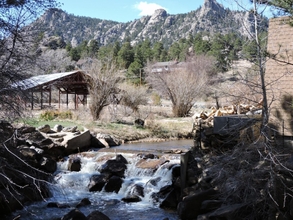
x,y
206,119
206,137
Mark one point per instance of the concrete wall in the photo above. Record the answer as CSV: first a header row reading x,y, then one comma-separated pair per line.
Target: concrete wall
x,y
279,75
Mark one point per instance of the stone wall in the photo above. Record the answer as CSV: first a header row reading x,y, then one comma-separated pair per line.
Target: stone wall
x,y
279,75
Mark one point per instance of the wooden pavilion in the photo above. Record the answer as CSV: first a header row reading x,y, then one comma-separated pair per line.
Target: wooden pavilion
x,y
74,82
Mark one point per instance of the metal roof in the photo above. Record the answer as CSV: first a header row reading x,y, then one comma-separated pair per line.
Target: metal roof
x,y
40,80
163,64
167,66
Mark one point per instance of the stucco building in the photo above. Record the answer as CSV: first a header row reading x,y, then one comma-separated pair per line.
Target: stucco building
x,y
279,75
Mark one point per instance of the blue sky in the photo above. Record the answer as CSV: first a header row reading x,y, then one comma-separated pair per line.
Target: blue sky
x,y
128,10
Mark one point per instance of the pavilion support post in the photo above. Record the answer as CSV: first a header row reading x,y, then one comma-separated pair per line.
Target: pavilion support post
x,y
76,101
50,96
67,99
41,98
32,100
59,99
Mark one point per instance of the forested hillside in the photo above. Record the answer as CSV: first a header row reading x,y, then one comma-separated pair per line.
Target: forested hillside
x,y
210,30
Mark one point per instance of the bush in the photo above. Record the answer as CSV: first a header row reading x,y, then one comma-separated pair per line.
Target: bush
x,y
156,129
133,96
51,115
156,99
65,115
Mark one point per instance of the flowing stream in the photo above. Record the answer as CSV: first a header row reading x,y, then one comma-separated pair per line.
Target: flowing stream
x,y
69,188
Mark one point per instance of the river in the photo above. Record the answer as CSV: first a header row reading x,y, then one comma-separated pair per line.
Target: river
x,y
69,188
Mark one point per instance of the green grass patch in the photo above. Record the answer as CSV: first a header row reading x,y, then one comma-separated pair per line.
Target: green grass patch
x,y
38,122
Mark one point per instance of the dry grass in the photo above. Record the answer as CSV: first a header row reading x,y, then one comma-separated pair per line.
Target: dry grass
x,y
119,121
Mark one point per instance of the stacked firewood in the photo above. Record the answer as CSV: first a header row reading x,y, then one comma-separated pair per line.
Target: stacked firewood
x,y
206,118
203,126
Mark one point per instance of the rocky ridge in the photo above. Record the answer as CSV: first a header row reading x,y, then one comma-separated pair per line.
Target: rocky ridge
x,y
212,17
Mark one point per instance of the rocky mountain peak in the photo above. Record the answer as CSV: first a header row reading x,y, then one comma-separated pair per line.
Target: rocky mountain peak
x,y
52,14
158,15
160,12
211,7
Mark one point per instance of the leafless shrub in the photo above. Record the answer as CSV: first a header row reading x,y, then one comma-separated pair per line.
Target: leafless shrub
x,y
133,96
156,99
256,177
183,84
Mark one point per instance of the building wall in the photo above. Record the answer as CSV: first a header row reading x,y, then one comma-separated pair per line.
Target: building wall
x,y
279,75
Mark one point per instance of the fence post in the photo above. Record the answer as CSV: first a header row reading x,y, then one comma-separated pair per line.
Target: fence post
x,y
183,170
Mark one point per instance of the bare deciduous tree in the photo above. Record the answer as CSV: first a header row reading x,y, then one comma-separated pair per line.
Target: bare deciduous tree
x,y
17,57
16,61
103,82
183,83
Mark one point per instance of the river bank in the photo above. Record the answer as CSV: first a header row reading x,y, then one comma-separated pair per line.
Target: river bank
x,y
40,149
244,181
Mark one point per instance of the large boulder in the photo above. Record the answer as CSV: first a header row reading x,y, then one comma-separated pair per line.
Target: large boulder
x,y
121,159
34,157
71,129
106,140
75,141
74,214
44,128
68,141
58,128
97,182
131,198
135,193
31,155
150,163
190,206
83,202
32,137
97,215
162,193
6,130
171,200
114,184
136,190
154,181
74,164
115,167
47,164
